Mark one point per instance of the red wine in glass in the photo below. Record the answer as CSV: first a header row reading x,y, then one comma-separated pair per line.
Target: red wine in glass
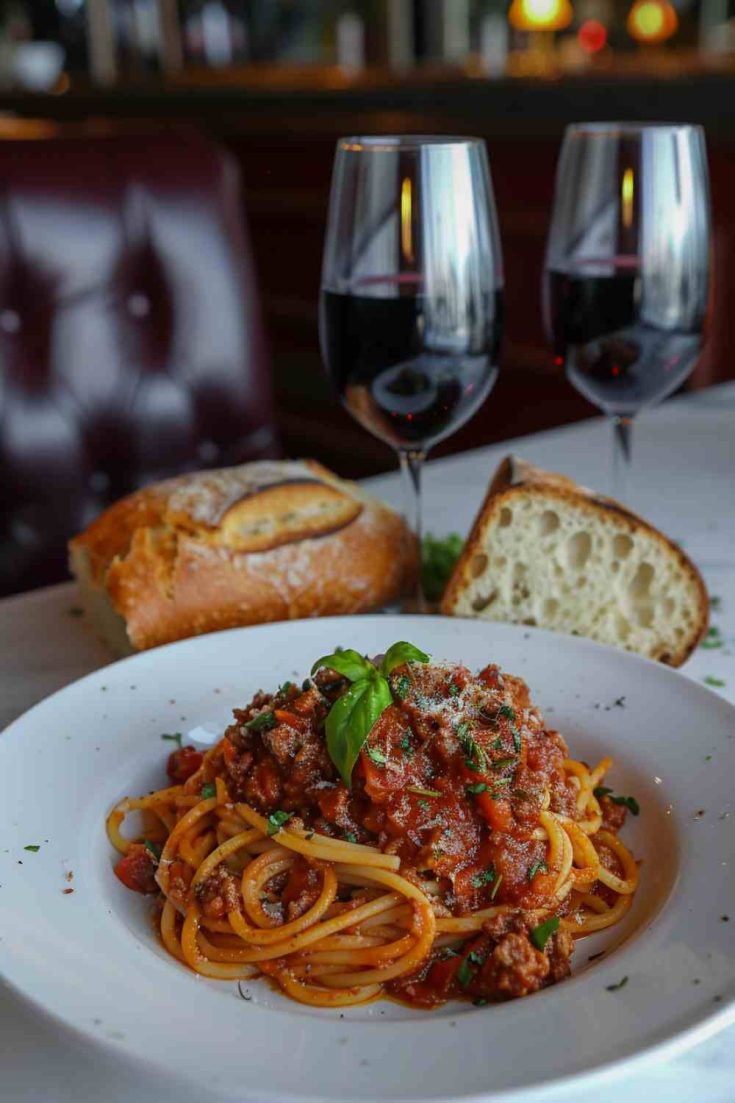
x,y
627,273
613,354
381,359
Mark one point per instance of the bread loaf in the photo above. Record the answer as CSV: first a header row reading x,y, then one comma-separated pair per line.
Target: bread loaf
x,y
261,542
545,551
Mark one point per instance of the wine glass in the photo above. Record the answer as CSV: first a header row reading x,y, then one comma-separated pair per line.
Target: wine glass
x,y
627,274
411,298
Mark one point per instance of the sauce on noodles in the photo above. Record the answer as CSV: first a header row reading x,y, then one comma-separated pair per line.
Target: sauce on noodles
x,y
465,859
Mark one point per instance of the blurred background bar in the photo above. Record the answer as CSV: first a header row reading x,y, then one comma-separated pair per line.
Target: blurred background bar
x,y
276,82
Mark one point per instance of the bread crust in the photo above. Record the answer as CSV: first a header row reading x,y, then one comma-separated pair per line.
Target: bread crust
x,y
515,476
187,556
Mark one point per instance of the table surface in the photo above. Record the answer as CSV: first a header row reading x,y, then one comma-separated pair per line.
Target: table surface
x,y
684,481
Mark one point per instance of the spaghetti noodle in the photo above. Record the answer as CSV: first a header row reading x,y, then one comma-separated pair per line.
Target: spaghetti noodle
x,y
468,855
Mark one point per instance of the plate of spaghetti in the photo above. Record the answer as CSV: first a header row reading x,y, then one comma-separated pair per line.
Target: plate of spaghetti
x,y
318,861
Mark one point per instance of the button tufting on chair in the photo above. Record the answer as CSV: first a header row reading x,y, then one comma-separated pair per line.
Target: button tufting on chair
x,y
130,335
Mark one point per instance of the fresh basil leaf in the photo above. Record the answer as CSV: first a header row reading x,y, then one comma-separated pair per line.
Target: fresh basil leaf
x,y
350,664
402,652
540,935
351,719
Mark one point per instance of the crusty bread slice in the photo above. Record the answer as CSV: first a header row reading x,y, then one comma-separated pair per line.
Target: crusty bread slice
x,y
545,551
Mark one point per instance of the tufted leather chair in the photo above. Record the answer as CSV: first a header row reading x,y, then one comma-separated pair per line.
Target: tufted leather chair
x,y
130,336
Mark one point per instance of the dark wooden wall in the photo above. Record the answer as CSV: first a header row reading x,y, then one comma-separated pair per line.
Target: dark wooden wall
x,y
284,142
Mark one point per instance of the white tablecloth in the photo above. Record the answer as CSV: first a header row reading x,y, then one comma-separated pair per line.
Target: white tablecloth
x,y
685,482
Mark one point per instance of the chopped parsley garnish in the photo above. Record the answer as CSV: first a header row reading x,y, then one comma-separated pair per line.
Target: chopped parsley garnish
x,y
424,804
401,687
209,790
34,849
540,935
628,802
496,886
503,762
715,603
263,722
472,765
712,640
464,974
284,688
306,684
471,748
506,712
350,837
76,611
478,787
423,792
616,987
484,878
516,739
476,958
174,737
537,867
710,680
479,1002
454,690
153,848
276,821
406,746
376,755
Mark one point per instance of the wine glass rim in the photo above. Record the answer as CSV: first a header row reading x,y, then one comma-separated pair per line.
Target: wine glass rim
x,y
390,143
625,127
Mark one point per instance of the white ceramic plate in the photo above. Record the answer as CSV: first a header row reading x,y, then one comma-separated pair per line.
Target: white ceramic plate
x,y
90,958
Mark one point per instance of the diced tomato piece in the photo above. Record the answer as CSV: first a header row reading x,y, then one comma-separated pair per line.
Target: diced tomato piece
x,y
495,812
442,973
183,763
137,869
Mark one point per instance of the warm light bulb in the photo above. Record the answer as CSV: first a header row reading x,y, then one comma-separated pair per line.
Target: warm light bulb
x,y
540,15
652,21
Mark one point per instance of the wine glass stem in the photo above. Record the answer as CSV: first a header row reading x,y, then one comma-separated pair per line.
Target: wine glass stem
x,y
622,431
412,463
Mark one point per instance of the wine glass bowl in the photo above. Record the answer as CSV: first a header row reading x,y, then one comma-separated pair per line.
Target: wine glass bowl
x,y
411,299
627,274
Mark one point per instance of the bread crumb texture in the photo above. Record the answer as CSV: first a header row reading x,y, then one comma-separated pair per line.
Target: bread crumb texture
x,y
581,569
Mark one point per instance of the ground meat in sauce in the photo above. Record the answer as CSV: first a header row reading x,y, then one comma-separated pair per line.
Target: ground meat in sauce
x,y
451,780
219,894
613,815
